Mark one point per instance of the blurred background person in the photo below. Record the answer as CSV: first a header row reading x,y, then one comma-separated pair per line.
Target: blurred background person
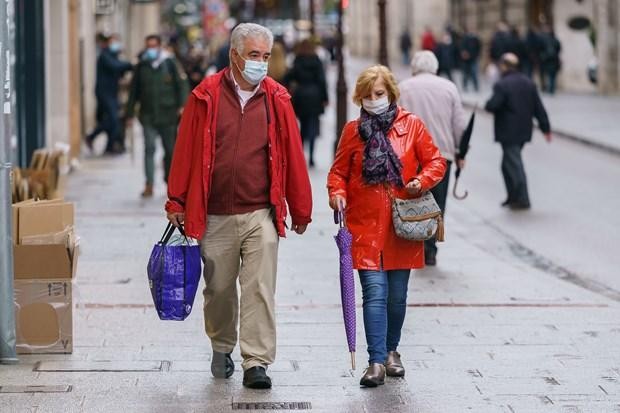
x,y
437,102
194,65
550,63
428,39
160,88
277,62
110,70
221,60
500,42
532,46
469,50
519,48
446,53
405,46
306,81
514,103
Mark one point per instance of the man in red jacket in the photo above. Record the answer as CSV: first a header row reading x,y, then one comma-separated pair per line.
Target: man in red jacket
x,y
238,162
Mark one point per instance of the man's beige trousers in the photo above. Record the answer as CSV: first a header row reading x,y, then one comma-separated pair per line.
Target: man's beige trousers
x,y
243,247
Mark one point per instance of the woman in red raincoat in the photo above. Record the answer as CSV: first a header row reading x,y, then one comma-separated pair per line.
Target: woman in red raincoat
x,y
386,150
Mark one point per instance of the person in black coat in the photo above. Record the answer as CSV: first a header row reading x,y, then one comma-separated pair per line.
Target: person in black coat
x,y
549,58
110,70
447,54
470,53
306,81
514,103
519,48
500,42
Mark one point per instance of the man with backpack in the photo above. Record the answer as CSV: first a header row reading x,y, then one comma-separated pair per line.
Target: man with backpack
x,y
161,90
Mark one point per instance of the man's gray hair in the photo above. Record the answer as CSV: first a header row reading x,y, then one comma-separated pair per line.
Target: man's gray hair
x,y
424,62
245,30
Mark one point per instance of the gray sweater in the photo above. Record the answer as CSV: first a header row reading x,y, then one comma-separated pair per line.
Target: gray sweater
x,y
437,102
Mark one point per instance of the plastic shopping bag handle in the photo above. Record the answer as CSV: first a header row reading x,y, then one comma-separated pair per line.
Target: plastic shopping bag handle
x,y
169,231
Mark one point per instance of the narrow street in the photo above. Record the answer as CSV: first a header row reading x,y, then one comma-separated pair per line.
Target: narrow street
x,y
522,313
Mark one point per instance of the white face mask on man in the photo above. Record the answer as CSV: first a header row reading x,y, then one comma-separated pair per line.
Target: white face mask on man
x,y
377,106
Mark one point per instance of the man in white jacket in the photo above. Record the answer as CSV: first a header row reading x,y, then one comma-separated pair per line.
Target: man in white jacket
x,y
437,102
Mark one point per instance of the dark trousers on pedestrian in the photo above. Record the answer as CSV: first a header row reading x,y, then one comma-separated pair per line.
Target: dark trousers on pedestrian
x,y
445,71
108,121
440,192
385,304
168,137
550,76
470,73
514,175
309,129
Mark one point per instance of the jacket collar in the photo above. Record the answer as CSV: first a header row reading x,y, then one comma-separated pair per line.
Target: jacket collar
x,y
207,88
401,122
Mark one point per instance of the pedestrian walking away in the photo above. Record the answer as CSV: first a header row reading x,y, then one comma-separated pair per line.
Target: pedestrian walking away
x,y
405,46
110,70
161,88
238,164
437,102
550,63
386,151
514,103
428,39
306,80
446,52
469,50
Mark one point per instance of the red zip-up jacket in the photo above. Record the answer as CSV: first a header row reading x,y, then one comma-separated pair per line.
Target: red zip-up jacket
x,y
189,182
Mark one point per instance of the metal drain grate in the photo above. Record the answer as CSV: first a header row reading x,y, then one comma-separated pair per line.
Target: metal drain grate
x,y
272,406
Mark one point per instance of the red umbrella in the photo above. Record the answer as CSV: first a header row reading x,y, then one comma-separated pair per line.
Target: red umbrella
x,y
347,282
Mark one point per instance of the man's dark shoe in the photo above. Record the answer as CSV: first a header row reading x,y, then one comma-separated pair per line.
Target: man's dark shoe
x,y
256,378
506,203
222,365
519,206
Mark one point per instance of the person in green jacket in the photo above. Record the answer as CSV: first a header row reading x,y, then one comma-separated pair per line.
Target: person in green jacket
x,y
161,89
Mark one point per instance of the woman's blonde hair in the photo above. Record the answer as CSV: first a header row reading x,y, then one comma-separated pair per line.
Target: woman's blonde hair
x,y
367,79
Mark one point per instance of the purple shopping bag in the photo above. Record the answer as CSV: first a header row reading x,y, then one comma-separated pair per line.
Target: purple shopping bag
x,y
174,273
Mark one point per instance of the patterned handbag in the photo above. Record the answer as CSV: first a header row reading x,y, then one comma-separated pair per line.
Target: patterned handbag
x,y
417,219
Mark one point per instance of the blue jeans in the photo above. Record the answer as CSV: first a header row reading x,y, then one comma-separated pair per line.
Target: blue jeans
x,y
385,304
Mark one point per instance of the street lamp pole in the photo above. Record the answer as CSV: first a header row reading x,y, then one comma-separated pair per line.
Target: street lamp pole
x,y
7,309
312,18
383,52
341,84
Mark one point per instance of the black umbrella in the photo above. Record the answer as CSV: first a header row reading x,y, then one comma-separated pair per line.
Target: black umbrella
x,y
463,148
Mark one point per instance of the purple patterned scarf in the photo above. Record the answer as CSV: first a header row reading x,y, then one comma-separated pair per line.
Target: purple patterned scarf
x,y
380,164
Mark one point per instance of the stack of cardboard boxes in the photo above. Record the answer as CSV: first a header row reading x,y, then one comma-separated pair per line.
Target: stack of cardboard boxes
x,y
45,251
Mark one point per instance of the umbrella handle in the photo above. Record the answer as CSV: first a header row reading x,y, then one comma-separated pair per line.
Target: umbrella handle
x,y
459,197
339,216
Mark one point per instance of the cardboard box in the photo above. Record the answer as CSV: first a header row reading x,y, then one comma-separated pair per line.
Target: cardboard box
x,y
44,316
46,260
56,223
44,218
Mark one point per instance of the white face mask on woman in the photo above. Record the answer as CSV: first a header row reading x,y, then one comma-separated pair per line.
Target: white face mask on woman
x,y
377,106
